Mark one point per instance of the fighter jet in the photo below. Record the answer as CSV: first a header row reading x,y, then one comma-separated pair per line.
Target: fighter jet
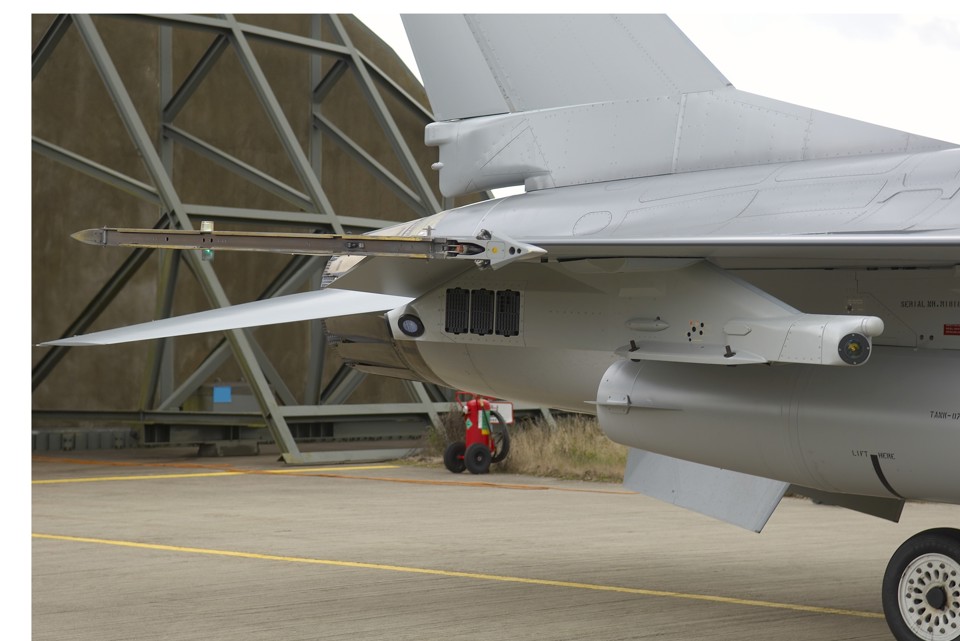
x,y
754,296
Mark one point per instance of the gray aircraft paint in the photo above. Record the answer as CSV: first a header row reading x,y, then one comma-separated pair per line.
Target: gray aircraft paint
x,y
585,305
642,101
687,226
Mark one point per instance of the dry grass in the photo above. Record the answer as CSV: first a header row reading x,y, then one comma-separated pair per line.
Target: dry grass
x,y
451,430
575,449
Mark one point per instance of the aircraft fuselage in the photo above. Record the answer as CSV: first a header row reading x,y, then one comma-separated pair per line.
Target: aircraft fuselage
x,y
547,331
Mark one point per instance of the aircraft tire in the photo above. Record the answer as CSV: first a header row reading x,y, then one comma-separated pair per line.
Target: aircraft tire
x,y
501,437
921,587
453,457
477,458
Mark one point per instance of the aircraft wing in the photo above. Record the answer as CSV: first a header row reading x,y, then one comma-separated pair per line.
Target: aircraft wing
x,y
808,250
326,303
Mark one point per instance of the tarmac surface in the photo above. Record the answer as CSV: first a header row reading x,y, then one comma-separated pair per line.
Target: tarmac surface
x,y
174,547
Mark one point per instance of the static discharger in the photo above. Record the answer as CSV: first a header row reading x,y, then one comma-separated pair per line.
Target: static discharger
x,y
487,250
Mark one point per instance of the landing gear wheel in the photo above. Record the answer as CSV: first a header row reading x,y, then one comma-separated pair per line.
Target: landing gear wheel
x,y
477,458
921,587
453,457
501,438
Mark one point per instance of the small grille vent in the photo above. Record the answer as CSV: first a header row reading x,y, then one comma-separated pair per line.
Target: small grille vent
x,y
482,312
508,313
458,311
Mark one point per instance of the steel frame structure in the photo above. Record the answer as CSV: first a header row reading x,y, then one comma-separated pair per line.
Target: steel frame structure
x,y
160,397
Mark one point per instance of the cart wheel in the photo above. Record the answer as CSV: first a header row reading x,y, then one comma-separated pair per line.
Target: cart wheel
x,y
501,438
453,457
477,458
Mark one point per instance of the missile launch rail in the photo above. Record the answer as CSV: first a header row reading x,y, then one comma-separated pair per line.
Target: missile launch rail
x,y
486,250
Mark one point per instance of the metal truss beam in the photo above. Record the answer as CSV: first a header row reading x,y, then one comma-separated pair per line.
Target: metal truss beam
x,y
387,123
194,79
369,162
297,271
91,312
288,139
169,268
95,170
208,279
51,38
161,397
242,169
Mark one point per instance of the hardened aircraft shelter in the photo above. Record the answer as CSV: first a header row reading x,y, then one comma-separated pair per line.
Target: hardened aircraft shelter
x,y
280,122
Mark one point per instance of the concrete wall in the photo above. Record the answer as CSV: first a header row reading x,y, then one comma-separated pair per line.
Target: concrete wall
x,y
71,109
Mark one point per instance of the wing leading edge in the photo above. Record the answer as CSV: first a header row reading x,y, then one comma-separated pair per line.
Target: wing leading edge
x,y
326,303
813,250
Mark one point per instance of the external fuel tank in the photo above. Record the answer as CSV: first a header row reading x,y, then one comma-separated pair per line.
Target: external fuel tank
x,y
890,428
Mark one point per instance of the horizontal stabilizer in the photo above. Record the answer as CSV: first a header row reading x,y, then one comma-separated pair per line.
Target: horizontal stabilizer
x,y
740,499
325,303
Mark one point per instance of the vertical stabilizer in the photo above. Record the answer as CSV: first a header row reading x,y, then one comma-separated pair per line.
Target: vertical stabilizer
x,y
478,65
556,100
456,75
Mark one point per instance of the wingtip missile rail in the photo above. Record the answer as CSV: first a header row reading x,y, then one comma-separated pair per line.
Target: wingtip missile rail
x,y
486,250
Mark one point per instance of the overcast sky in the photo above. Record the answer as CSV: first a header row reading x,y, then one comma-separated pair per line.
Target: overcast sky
x,y
896,70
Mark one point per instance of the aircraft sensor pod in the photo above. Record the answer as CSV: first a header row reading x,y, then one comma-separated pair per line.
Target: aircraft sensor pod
x,y
814,339
410,325
852,336
854,349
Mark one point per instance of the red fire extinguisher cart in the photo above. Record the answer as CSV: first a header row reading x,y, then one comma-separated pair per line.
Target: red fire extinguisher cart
x,y
486,439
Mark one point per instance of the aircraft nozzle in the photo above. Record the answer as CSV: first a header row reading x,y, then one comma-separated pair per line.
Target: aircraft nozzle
x,y
854,349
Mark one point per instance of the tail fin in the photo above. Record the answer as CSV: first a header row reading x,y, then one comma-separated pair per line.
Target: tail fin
x,y
480,65
555,100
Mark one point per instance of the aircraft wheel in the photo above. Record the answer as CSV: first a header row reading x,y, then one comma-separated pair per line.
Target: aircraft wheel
x,y
921,587
501,438
453,457
477,458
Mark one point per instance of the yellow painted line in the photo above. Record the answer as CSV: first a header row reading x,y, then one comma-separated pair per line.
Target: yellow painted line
x,y
144,477
151,477
813,609
323,472
489,484
330,475
108,463
332,472
329,470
